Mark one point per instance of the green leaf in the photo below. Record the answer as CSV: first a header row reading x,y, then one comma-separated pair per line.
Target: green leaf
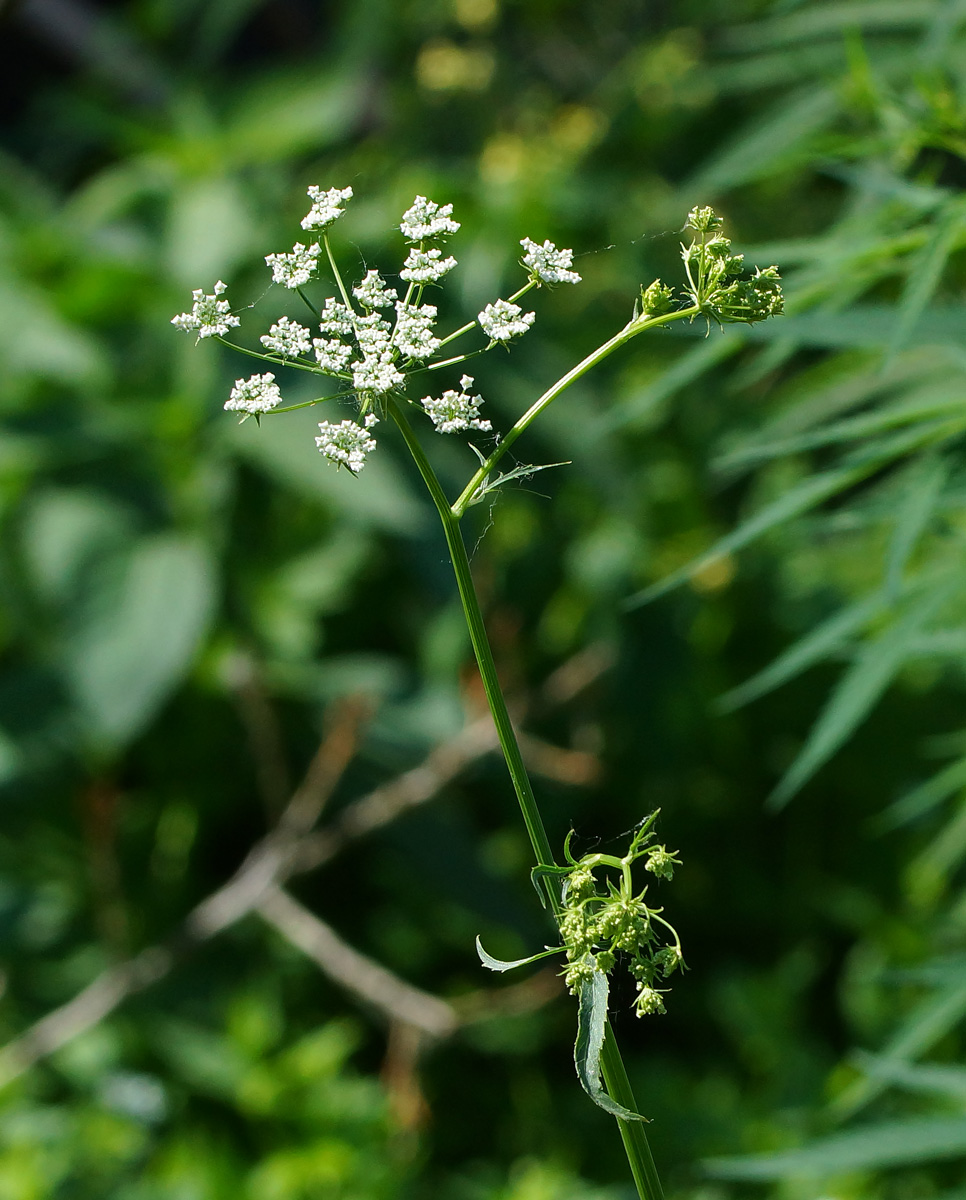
x,y
137,640
875,1147
925,274
927,1024
799,499
831,20
854,696
931,1079
915,509
499,964
591,1030
766,142
824,639
924,798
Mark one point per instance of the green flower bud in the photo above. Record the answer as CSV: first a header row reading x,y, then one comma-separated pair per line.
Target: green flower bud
x,y
703,220
657,299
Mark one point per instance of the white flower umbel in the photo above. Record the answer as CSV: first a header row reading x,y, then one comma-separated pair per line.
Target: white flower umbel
x,y
414,330
292,270
455,411
502,321
376,373
347,443
426,266
287,338
427,220
257,394
326,206
210,316
547,264
336,319
332,355
374,292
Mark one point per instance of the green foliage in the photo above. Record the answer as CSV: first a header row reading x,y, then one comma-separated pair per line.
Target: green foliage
x,y
170,152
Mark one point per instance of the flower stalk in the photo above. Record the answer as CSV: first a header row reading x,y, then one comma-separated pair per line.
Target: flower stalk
x,y
372,356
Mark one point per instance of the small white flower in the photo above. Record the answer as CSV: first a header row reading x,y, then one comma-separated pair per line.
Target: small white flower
x,y
426,266
326,206
502,321
331,354
376,373
287,338
296,268
347,443
373,292
427,220
548,264
257,394
336,319
455,411
414,330
209,316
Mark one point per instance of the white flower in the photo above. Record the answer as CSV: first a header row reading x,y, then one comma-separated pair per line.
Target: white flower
x,y
287,338
372,332
332,355
548,264
503,320
376,373
426,266
347,443
427,220
209,315
258,394
373,292
296,268
326,206
454,411
336,319
414,330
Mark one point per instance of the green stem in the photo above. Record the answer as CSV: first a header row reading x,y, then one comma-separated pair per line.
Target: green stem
x,y
274,359
612,1067
638,325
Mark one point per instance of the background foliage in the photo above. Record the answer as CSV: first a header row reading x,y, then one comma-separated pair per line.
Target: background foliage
x,y
186,602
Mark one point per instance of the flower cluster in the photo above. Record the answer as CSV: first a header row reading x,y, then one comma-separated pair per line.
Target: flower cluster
x,y
210,316
455,411
426,220
326,207
256,395
595,926
502,321
372,335
295,269
288,339
347,443
547,264
713,276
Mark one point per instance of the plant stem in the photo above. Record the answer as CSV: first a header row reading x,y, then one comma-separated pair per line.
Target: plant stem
x,y
618,1085
632,329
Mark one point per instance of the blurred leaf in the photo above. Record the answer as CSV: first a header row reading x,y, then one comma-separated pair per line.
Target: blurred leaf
x,y
827,637
890,1144
140,634
850,702
210,231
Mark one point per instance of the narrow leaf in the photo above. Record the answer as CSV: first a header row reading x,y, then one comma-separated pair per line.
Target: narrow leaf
x,y
499,964
925,274
927,1024
924,798
813,648
591,1028
854,696
890,1144
931,1079
915,510
799,499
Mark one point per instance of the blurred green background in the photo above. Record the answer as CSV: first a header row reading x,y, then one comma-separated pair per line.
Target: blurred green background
x,y
188,605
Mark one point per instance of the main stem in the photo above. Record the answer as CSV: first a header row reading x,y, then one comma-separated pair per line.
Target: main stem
x,y
612,1066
